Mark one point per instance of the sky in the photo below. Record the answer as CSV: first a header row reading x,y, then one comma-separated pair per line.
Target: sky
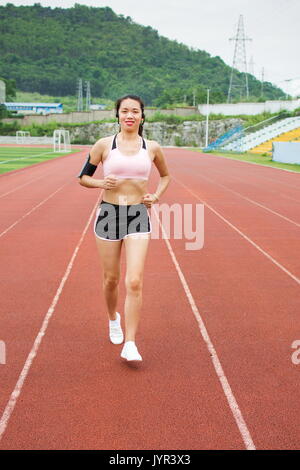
x,y
272,26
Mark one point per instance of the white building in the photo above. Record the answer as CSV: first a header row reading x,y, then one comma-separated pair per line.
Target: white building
x,y
230,109
97,107
35,108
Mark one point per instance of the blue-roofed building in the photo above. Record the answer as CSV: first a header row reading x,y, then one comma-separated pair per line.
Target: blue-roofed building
x,y
34,108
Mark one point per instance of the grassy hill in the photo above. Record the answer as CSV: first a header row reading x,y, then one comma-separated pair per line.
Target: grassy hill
x,y
46,50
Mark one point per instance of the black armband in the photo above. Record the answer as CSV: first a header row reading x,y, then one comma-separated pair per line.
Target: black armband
x,y
88,168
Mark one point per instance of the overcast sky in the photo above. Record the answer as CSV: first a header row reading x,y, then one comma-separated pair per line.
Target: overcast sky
x,y
273,26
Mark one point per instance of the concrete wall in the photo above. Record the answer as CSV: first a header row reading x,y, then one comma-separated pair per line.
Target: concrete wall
x,y
237,109
76,117
186,111
89,116
286,152
188,133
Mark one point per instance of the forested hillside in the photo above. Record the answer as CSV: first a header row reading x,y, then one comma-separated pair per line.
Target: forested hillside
x,y
47,50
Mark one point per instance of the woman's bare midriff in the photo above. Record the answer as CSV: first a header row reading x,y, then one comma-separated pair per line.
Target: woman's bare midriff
x,y
128,191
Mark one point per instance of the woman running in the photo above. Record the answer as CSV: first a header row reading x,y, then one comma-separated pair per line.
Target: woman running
x,y
123,215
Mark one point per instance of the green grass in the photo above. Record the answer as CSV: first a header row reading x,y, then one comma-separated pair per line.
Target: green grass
x,y
261,159
13,158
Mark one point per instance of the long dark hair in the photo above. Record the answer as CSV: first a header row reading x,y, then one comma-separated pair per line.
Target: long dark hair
x,y
136,98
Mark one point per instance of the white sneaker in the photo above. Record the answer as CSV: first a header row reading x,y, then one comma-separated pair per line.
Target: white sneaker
x,y
130,352
115,330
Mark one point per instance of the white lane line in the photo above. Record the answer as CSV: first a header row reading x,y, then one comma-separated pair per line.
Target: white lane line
x,y
257,185
18,387
26,158
33,166
254,163
32,210
279,265
25,184
251,200
259,164
237,414
29,182
290,198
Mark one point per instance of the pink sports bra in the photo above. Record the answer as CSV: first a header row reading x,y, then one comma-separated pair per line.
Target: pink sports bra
x,y
136,166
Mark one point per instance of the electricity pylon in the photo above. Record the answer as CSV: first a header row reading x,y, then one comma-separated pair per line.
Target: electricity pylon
x,y
239,64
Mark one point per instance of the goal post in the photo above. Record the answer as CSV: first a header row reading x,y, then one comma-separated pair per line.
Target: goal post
x,y
22,136
61,141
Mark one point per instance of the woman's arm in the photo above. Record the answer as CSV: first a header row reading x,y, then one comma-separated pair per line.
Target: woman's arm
x,y
165,178
161,165
96,153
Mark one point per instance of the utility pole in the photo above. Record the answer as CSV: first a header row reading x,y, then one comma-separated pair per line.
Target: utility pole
x,y
289,80
207,113
239,64
88,95
79,96
251,66
262,81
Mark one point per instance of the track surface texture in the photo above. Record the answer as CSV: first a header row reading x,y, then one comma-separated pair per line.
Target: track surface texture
x,y
217,323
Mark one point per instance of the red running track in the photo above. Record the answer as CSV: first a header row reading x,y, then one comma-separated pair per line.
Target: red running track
x,y
217,323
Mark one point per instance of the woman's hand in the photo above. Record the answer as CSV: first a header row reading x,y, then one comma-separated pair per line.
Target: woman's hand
x,y
110,182
149,199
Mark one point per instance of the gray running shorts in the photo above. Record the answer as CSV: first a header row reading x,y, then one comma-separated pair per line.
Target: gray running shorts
x,y
114,222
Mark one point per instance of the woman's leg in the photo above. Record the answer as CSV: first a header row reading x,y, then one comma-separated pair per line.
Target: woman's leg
x,y
110,253
136,251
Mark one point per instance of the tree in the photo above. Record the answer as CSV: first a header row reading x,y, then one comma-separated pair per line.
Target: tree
x,y
10,88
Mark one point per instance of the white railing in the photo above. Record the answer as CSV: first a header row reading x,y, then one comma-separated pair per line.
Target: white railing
x,y
253,139
7,139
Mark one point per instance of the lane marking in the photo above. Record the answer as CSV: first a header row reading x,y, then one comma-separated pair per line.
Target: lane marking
x,y
37,164
258,185
26,158
18,387
237,414
251,200
29,182
46,173
279,265
32,210
252,163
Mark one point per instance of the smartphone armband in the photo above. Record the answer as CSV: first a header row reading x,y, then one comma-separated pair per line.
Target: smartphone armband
x,y
88,168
